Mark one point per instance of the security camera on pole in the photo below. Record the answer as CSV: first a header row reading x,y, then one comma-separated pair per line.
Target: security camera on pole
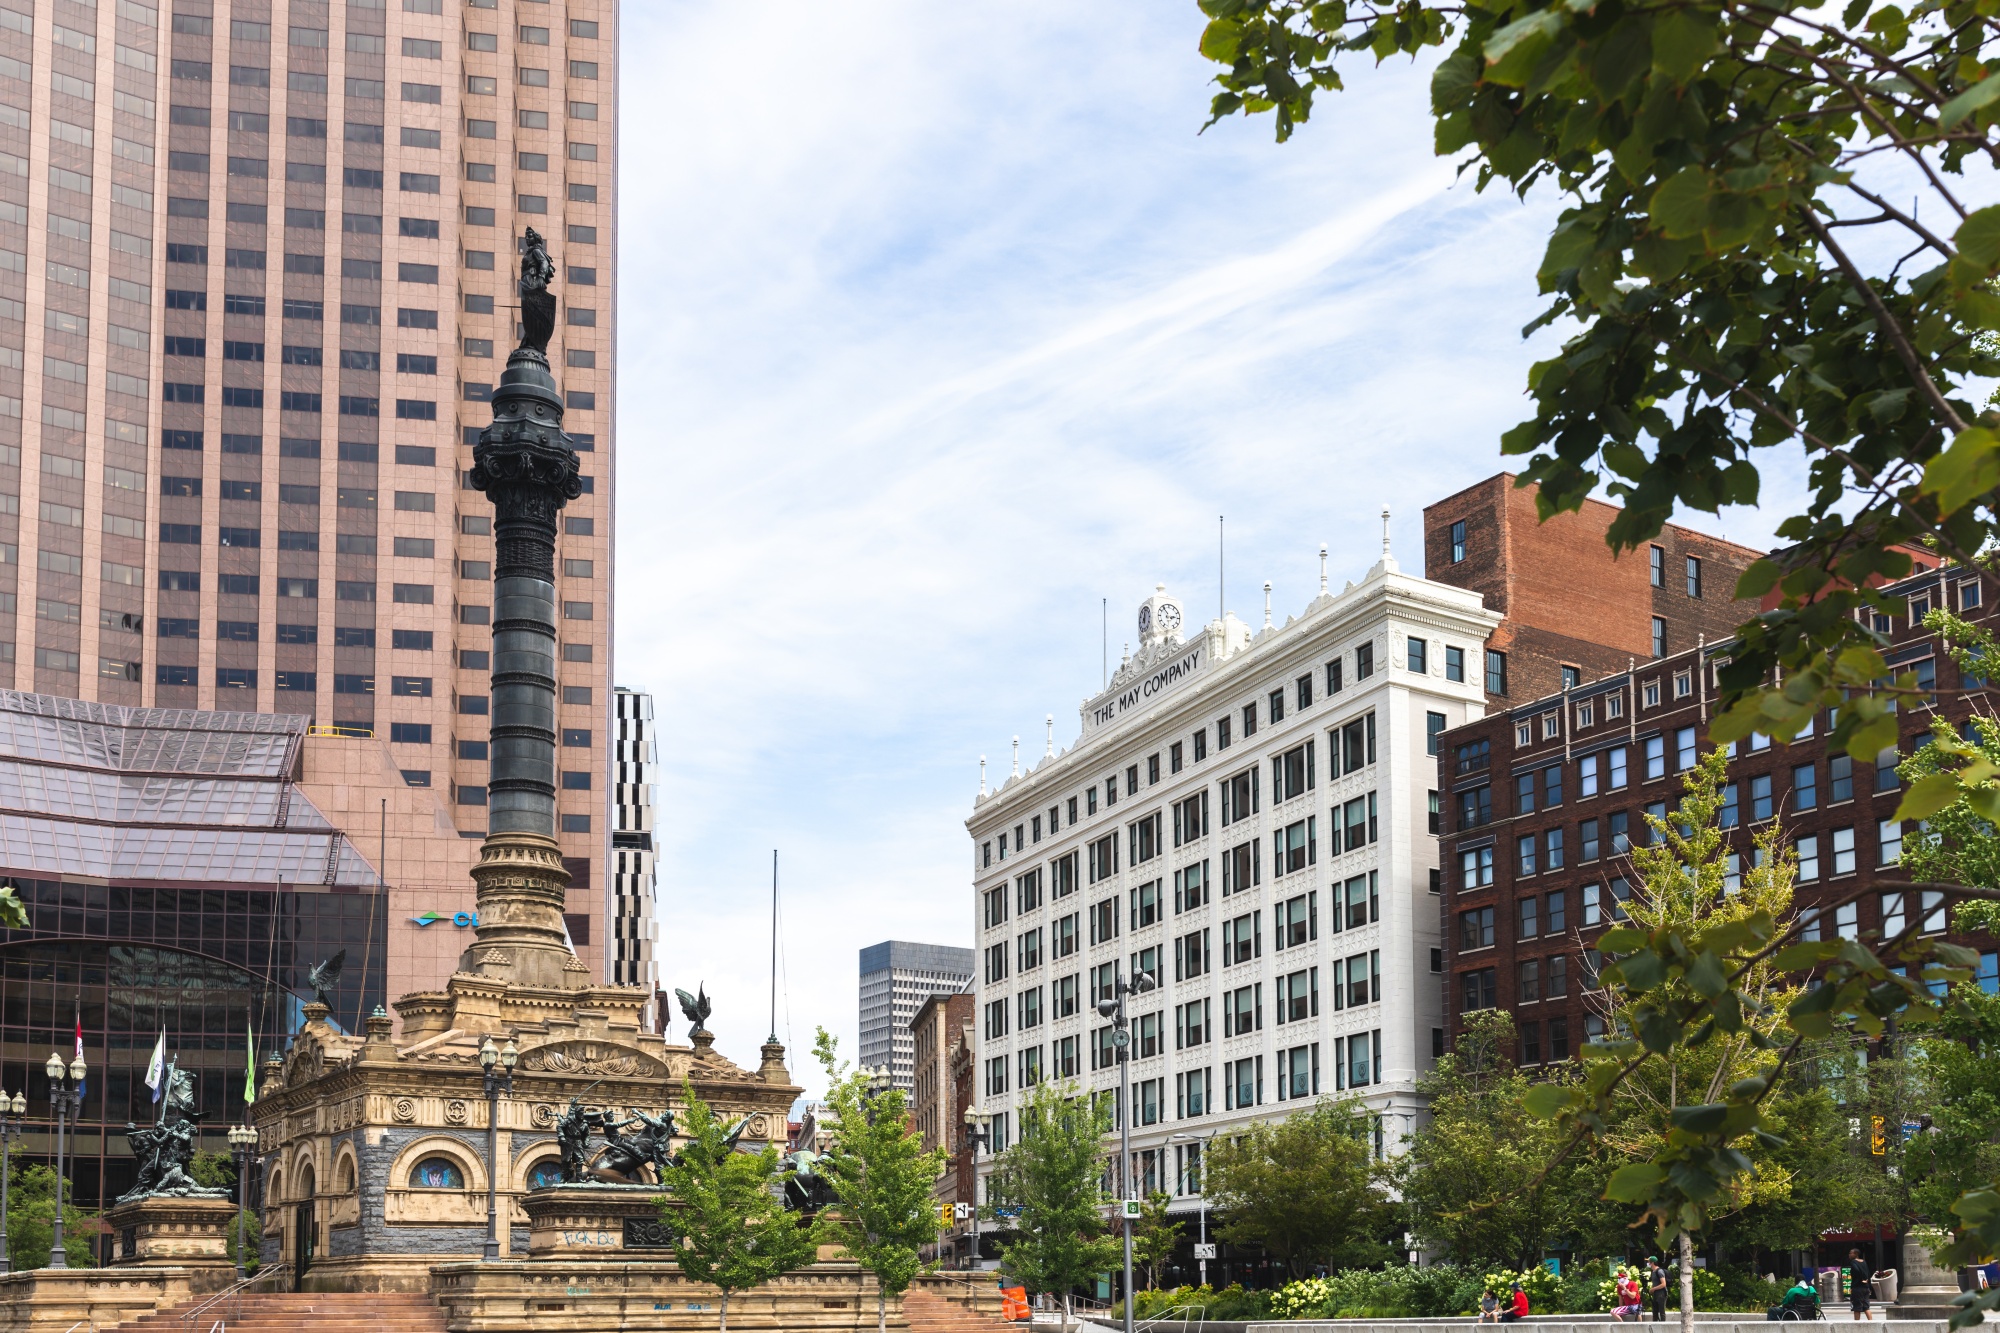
x,y
1121,1041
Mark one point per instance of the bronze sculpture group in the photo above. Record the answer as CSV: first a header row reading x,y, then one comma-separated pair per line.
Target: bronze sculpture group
x,y
164,1150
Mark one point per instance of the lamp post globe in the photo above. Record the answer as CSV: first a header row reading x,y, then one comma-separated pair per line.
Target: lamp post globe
x,y
67,1100
496,1063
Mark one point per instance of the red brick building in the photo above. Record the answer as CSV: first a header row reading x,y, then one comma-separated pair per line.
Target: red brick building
x,y
1542,797
1572,609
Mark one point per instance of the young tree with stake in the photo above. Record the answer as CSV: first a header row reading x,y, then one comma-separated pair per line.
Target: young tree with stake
x,y
730,1227
882,1176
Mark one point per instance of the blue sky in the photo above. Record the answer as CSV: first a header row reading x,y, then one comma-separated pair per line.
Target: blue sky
x,y
938,325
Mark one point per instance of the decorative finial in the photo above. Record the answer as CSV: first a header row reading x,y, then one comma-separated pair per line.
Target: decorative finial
x,y
1017,756
982,775
1267,603
1049,753
1125,657
1385,532
1322,569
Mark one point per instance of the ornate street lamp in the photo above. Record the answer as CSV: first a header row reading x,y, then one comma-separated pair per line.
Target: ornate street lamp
x,y
504,1058
243,1148
10,1129
67,1099
1113,1008
978,1130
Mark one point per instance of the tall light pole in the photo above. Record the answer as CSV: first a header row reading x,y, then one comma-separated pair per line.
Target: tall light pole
x,y
976,1133
1201,1143
67,1099
242,1147
505,1058
10,1129
1113,1008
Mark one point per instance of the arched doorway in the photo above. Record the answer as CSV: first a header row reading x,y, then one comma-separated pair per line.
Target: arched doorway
x,y
305,1228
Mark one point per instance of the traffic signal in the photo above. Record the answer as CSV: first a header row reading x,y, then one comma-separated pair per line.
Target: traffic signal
x,y
1878,1138
944,1216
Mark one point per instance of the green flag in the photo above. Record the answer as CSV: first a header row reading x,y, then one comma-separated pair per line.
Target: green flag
x,y
249,1064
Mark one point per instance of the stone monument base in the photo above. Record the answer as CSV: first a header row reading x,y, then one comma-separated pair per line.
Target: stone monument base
x,y
55,1300
161,1230
595,1221
597,1296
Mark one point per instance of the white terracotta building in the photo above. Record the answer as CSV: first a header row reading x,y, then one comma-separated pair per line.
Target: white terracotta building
x,y
1250,818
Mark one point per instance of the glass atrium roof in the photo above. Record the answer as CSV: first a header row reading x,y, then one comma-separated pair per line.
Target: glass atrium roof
x,y
161,795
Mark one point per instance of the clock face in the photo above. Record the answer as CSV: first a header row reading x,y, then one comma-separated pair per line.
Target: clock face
x,y
1145,618
1170,616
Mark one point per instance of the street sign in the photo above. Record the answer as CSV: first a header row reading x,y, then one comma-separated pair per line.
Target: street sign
x,y
1131,1209
1202,1251
961,1211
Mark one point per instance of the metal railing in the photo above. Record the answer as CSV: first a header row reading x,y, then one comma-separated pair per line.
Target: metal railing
x,y
231,1296
1181,1317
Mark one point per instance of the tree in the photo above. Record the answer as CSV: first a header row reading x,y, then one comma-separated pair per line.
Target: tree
x,y
1686,886
1154,1235
1472,1183
1737,271
1053,1175
883,1177
217,1171
31,1212
1306,1188
729,1226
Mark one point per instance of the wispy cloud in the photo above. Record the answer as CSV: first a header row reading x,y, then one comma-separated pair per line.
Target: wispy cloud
x,y
940,327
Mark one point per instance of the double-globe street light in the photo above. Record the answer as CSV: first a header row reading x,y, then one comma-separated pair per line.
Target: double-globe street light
x,y
1113,1008
67,1099
978,1130
10,1129
491,1059
242,1148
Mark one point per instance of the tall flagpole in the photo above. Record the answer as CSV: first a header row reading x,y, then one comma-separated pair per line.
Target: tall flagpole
x,y
774,944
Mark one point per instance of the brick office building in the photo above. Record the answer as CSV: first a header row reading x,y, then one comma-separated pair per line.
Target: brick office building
x,y
1541,800
1572,612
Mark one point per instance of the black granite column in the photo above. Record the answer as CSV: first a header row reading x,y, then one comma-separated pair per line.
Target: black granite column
x,y
528,469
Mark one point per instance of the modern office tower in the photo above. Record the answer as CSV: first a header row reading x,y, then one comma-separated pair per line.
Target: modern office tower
x,y
631,909
256,269
896,978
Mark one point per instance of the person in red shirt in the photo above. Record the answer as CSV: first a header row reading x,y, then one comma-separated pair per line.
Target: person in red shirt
x,y
1517,1306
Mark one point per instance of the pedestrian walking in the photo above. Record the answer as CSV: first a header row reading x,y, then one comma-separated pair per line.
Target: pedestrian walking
x,y
1656,1282
1861,1286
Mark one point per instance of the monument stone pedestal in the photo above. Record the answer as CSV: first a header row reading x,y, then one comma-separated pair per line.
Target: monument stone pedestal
x,y
598,1221
162,1231
1926,1291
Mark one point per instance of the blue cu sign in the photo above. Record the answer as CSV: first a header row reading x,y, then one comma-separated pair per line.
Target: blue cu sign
x,y
459,919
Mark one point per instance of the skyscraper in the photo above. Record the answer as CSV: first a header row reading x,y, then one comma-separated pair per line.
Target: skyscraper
x,y
255,266
631,905
896,978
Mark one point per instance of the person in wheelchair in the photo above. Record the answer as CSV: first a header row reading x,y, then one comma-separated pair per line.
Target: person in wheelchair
x,y
1801,1302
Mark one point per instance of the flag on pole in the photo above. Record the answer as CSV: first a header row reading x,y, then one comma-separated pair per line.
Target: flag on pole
x,y
156,1069
79,1043
249,1063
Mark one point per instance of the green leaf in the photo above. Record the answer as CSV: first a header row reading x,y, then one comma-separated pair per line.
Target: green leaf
x,y
1705,1119
1548,1100
1634,1182
1682,40
1928,795
1706,977
1621,939
1222,40
1970,466
1680,206
1972,99
1511,53
1806,953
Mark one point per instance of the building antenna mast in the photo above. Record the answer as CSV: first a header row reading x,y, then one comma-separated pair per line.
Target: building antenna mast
x,y
774,944
1104,641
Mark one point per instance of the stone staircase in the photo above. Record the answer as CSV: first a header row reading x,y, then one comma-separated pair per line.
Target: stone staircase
x,y
303,1312
928,1312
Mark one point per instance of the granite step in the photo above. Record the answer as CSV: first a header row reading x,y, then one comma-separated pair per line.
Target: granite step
x,y
320,1312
